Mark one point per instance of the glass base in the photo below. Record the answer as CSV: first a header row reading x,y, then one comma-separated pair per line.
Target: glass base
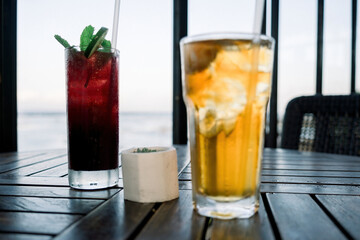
x,y
243,208
93,179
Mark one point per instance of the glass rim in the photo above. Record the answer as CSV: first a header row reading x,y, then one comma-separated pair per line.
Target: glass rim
x,y
112,50
225,36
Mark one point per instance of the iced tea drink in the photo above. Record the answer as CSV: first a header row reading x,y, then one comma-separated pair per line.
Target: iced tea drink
x,y
93,118
226,87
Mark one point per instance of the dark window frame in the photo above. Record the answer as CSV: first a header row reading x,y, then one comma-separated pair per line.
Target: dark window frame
x,y
8,97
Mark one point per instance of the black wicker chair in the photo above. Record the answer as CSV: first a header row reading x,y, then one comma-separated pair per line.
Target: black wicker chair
x,y
320,123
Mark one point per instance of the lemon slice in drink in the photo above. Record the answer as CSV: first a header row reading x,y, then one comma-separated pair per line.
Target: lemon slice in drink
x,y
96,42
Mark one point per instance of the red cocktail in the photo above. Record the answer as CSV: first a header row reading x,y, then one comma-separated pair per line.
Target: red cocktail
x,y
93,118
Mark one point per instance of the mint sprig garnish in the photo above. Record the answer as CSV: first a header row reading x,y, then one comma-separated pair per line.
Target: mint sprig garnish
x,y
90,42
62,41
86,37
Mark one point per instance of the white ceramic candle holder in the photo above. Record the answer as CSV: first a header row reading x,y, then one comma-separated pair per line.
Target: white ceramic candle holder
x,y
150,176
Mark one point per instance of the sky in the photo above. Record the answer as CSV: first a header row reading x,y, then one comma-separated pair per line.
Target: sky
x,y
145,44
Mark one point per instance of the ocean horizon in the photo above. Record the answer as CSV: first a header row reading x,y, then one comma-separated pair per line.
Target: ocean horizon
x,y
48,130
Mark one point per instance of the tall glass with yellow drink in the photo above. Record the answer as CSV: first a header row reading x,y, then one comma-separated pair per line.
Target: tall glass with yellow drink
x,y
226,87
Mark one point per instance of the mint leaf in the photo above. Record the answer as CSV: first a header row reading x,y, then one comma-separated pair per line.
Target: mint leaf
x,y
62,41
106,44
86,37
144,150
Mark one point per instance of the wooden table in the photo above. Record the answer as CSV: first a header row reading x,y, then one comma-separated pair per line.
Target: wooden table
x,y
303,196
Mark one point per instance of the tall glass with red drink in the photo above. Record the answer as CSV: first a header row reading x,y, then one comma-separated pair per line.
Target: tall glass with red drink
x,y
93,118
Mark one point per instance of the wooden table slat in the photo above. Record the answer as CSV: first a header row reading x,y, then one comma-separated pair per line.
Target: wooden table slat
x,y
309,167
311,180
55,192
41,181
310,173
14,156
312,163
175,220
315,159
35,223
21,236
288,154
115,219
310,189
346,210
37,167
57,205
293,221
185,176
34,181
338,167
28,161
297,188
58,171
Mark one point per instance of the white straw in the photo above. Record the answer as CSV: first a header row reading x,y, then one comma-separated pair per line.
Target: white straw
x,y
115,23
259,10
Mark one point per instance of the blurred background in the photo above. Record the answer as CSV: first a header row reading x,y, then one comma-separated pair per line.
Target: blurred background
x,y
145,44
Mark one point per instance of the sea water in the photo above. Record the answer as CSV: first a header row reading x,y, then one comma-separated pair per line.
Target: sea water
x,y
43,131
